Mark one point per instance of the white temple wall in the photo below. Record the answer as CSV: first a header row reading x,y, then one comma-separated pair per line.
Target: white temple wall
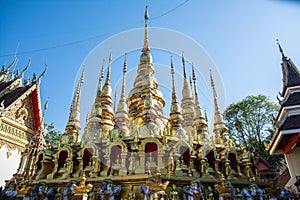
x,y
293,162
8,166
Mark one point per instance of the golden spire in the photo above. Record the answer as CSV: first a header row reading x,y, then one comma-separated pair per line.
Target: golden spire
x,y
107,114
199,119
145,100
219,124
175,114
99,90
146,55
93,120
122,118
106,90
146,41
73,124
107,81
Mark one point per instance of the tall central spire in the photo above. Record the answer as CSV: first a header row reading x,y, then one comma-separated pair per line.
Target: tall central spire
x,y
146,55
146,41
145,100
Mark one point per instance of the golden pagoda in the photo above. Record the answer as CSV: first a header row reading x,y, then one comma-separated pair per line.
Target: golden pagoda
x,y
136,152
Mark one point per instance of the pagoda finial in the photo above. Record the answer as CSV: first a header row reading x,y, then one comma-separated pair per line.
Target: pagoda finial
x,y
194,79
175,114
187,101
183,65
146,41
107,81
74,117
101,76
124,78
173,83
199,118
219,124
107,113
121,116
280,49
217,111
102,71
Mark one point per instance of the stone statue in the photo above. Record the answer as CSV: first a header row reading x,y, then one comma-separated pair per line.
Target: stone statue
x,y
132,164
9,192
245,194
109,191
209,194
145,190
68,191
38,192
171,166
194,191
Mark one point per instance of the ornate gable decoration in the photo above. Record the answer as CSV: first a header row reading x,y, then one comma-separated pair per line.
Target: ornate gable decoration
x,y
21,111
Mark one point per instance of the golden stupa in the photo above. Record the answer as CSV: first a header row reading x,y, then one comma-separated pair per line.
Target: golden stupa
x,y
137,152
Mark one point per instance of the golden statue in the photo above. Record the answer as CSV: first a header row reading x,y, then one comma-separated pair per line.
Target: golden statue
x,y
130,193
174,193
82,188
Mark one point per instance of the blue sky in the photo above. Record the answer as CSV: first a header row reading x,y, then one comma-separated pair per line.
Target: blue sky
x,y
239,36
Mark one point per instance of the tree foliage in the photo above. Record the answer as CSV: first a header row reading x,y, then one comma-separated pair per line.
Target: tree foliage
x,y
249,124
52,135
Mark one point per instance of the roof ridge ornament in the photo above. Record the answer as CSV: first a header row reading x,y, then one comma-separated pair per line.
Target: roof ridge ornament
x,y
281,50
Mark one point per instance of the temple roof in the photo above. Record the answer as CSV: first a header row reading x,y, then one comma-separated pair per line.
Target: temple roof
x,y
291,122
3,85
293,99
12,96
291,75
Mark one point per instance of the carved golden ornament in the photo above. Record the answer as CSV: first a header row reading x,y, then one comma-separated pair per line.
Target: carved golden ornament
x,y
82,188
21,112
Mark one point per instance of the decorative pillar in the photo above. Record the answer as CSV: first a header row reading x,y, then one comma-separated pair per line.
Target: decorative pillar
x,y
140,169
123,170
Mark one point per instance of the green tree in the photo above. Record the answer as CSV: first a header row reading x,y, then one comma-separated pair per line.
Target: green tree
x,y
52,135
249,124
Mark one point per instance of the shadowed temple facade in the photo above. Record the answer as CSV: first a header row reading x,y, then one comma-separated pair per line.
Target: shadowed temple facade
x,y
136,151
